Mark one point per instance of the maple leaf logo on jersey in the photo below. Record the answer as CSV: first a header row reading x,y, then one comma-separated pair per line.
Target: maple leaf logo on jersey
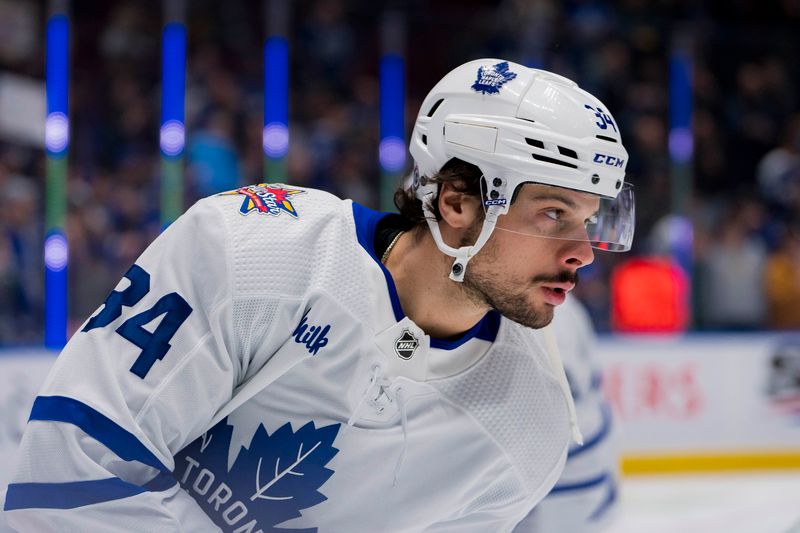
x,y
491,79
271,199
270,482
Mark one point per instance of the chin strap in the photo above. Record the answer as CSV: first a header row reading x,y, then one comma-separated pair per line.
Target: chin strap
x,y
463,254
554,355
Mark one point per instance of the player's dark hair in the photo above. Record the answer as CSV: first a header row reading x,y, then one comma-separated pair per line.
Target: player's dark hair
x,y
464,177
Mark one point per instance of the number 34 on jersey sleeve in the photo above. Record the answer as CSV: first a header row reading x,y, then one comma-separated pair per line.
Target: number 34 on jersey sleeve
x,y
140,379
172,309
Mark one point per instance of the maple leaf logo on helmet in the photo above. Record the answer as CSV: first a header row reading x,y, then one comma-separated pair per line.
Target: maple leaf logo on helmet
x,y
492,78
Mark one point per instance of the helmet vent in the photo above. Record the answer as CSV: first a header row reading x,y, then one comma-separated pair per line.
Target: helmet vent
x,y
535,142
425,140
435,107
553,160
603,137
569,152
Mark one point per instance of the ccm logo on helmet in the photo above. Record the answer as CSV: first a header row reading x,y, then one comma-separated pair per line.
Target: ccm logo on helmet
x,y
495,201
609,160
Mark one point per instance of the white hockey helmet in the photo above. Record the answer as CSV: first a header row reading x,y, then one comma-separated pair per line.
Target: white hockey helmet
x,y
522,125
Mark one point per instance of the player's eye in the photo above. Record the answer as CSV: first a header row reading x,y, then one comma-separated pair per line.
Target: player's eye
x,y
554,214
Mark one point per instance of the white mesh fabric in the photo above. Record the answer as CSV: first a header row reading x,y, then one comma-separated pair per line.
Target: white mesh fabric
x,y
267,250
517,402
252,322
496,495
342,255
272,255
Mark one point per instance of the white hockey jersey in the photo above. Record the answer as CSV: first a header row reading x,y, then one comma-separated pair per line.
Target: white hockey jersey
x,y
584,500
364,422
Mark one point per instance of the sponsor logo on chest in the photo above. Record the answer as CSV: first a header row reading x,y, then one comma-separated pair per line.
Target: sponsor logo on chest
x,y
314,337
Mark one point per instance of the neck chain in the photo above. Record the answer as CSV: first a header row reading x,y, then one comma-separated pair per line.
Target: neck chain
x,y
385,255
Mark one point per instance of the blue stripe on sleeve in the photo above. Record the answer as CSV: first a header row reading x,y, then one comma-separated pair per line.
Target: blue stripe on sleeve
x,y
581,485
96,425
161,482
605,479
605,505
74,494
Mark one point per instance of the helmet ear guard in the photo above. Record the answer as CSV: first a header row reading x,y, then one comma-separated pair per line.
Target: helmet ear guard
x,y
517,125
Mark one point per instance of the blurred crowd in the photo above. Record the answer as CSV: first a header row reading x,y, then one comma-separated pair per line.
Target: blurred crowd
x,y
743,205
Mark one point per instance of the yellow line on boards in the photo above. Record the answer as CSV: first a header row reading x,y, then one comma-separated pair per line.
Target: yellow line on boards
x,y
709,462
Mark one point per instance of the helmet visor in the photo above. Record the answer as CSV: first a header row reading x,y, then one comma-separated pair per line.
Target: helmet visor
x,y
556,213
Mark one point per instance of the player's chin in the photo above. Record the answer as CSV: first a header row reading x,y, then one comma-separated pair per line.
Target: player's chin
x,y
539,315
541,319
546,315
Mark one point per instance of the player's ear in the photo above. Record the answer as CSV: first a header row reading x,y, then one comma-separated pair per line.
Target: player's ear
x,y
458,209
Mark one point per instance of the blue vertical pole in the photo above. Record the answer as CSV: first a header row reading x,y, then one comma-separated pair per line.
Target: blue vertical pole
x,y
392,147
56,249
681,150
172,132
275,135
276,107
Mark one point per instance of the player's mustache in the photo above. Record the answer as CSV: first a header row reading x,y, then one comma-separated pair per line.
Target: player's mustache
x,y
564,276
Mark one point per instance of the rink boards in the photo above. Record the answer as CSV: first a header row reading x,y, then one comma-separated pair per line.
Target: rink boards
x,y
705,402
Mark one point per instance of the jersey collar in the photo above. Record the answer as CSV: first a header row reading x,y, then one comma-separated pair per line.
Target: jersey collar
x,y
366,222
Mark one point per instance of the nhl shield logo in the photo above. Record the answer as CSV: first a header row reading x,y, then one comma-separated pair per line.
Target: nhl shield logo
x,y
406,345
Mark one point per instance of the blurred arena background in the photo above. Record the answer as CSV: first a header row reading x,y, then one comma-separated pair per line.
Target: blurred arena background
x,y
700,324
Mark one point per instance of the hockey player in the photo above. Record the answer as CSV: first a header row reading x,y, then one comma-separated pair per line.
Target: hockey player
x,y
279,359
584,499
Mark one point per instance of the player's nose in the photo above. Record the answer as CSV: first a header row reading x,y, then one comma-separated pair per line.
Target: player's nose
x,y
577,254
